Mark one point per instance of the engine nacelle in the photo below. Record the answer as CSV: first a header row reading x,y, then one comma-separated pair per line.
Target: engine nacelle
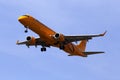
x,y
59,37
31,40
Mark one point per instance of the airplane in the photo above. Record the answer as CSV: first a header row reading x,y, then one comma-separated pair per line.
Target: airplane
x,y
48,38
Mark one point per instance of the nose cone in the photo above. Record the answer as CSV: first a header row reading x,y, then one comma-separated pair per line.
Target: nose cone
x,y
21,18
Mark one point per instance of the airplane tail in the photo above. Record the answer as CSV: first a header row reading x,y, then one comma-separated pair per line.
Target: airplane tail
x,y
82,46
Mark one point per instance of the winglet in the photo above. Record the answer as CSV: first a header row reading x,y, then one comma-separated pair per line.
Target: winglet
x,y
103,33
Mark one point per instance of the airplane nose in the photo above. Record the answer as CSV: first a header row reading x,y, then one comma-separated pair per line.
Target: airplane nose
x,y
22,18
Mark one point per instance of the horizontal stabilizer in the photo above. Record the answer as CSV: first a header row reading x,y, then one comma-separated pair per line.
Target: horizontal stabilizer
x,y
90,53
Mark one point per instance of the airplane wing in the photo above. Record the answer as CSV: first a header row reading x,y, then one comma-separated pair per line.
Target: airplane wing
x,y
38,41
26,42
21,43
82,37
68,39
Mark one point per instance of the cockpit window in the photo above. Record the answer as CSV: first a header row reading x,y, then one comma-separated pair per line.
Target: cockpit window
x,y
26,15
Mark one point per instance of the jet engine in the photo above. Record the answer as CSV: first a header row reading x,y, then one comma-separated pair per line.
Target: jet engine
x,y
59,37
31,40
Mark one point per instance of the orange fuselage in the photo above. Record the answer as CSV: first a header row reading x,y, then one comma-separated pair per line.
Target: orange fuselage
x,y
46,33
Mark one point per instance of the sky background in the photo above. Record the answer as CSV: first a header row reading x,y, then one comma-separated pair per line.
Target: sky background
x,y
70,17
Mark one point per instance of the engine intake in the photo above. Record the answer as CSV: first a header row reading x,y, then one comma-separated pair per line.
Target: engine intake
x,y
28,38
31,40
59,37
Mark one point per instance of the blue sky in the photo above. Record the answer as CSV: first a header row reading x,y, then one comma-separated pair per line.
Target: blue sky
x,y
70,17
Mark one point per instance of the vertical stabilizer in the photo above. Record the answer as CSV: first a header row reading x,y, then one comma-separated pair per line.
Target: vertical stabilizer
x,y
82,45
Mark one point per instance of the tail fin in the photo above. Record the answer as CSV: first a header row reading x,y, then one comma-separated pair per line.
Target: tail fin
x,y
82,45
